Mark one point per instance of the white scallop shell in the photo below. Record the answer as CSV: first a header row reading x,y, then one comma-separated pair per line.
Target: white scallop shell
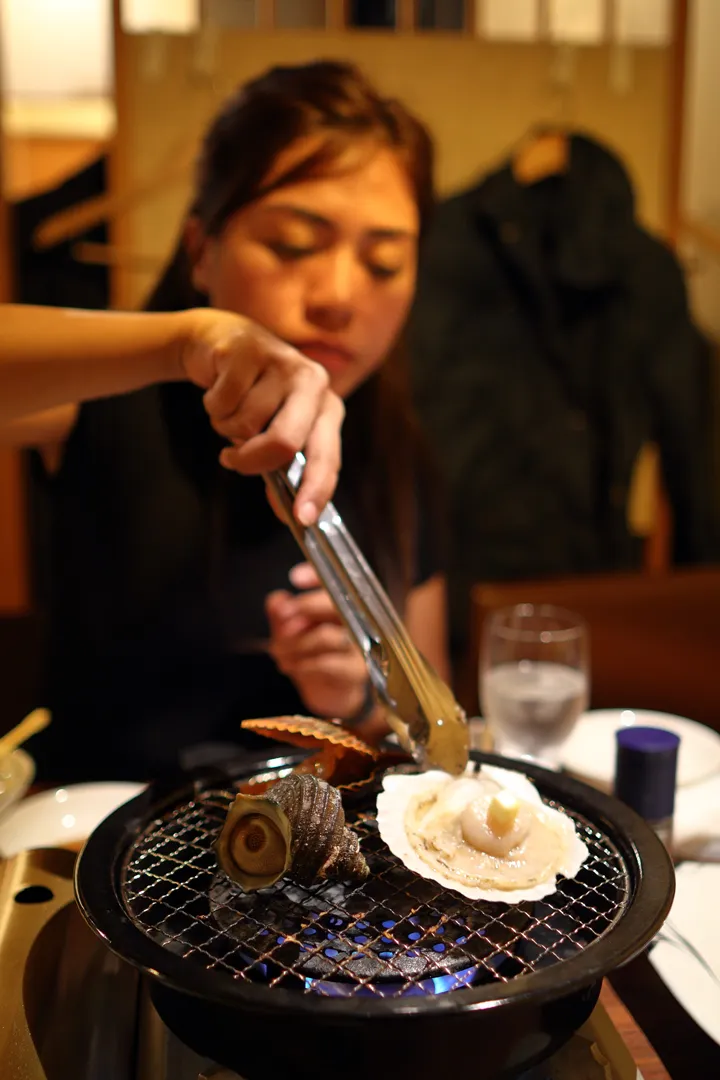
x,y
392,803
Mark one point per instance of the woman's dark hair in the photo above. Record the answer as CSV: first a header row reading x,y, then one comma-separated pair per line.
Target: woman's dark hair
x,y
333,100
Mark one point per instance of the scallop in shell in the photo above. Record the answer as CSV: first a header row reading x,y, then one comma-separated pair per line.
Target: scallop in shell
x,y
487,834
296,829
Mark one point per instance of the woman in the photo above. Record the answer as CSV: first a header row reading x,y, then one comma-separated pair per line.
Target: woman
x,y
49,356
170,609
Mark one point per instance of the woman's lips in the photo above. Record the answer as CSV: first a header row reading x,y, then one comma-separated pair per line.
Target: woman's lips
x,y
332,357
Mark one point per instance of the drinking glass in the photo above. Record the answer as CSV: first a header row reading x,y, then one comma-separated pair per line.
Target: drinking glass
x,y
534,679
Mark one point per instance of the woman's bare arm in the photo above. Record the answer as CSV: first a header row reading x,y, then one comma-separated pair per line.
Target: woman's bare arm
x,y
50,356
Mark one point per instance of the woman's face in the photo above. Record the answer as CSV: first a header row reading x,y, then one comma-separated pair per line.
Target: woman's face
x,y
327,264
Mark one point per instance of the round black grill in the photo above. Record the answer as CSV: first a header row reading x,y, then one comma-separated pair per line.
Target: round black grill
x,y
394,977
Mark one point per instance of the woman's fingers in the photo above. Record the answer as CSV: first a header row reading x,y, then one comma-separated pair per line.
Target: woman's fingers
x,y
315,606
330,667
269,400
251,413
323,459
319,641
304,576
301,424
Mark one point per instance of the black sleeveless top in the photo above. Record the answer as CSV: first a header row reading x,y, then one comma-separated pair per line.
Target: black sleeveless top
x,y
160,562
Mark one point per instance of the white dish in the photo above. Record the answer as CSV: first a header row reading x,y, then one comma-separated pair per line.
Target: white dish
x,y
62,816
687,950
589,752
17,771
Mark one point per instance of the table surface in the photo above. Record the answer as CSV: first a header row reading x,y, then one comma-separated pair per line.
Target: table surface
x,y
685,1051
643,1053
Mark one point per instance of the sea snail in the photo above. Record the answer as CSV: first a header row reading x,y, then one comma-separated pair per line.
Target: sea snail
x,y
296,829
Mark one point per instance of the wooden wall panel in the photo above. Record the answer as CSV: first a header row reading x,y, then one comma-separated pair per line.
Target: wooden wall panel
x,y
13,561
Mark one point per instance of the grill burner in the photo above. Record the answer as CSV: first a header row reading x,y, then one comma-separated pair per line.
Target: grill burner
x,y
333,940
394,936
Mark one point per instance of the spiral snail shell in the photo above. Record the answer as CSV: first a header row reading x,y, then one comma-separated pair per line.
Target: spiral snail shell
x,y
296,829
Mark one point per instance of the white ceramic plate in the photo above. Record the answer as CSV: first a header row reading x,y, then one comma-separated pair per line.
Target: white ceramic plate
x,y
688,944
63,816
17,771
590,750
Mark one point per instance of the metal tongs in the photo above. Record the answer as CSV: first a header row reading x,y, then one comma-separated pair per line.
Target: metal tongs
x,y
421,708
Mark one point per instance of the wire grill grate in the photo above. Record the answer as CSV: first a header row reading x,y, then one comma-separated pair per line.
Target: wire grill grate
x,y
393,936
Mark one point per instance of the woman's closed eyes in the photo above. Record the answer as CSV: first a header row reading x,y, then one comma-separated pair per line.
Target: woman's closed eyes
x,y
294,253
300,234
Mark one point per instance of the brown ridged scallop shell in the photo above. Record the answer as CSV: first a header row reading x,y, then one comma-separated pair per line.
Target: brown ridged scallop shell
x,y
308,817
343,760
340,757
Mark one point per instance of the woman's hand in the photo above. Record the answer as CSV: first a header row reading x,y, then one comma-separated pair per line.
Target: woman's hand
x,y
267,399
310,644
